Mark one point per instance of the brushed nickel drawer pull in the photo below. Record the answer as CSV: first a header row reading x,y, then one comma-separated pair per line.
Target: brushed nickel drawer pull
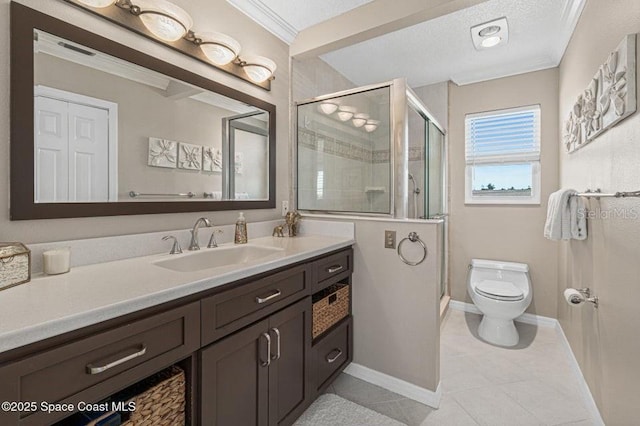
x,y
277,355
334,268
96,370
261,300
330,359
268,361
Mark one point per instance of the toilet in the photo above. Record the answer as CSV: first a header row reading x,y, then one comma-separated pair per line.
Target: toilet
x,y
502,292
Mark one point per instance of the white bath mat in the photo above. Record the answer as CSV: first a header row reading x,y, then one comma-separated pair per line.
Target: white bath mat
x,y
331,410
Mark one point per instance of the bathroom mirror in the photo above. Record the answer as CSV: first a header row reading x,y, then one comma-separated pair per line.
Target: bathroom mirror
x,y
101,129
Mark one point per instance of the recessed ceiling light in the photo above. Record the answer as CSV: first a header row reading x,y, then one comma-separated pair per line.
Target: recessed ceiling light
x,y
490,34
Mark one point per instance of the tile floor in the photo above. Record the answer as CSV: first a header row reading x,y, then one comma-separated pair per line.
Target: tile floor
x,y
530,384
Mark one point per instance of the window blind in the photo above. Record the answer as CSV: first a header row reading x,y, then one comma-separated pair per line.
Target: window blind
x,y
507,136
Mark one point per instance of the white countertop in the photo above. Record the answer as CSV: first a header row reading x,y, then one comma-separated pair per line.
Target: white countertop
x,y
52,305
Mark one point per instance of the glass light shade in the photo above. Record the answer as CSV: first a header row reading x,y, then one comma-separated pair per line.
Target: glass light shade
x,y
164,19
491,41
219,48
258,68
345,113
98,3
371,125
360,120
328,107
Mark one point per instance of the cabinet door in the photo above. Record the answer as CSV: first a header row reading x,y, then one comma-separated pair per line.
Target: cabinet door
x,y
235,379
289,374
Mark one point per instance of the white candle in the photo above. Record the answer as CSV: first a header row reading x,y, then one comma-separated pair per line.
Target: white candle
x,y
57,261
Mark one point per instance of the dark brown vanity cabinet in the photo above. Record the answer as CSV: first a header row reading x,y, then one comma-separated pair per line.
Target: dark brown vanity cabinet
x,y
259,375
246,349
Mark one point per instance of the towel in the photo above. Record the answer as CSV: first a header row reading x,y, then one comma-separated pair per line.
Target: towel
x,y
566,216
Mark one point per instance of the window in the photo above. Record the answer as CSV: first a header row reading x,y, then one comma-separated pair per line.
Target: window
x,y
503,156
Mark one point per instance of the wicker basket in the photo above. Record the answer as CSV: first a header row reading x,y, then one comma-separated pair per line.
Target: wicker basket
x,y
162,404
329,306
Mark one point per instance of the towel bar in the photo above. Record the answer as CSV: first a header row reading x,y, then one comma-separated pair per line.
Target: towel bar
x,y
598,194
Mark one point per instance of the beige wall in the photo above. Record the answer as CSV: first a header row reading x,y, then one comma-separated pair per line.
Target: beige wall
x,y
215,15
605,341
396,307
512,233
436,99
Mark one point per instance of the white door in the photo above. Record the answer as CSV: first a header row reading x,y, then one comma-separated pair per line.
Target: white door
x,y
52,150
72,146
88,153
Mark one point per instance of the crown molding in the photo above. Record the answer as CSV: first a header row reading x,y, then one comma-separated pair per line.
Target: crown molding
x,y
267,18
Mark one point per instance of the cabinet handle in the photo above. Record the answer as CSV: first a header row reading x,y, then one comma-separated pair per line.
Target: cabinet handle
x,y
330,359
96,370
268,362
277,355
264,299
334,268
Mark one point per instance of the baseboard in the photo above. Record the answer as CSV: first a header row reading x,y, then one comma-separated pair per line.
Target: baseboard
x,y
538,320
406,389
587,397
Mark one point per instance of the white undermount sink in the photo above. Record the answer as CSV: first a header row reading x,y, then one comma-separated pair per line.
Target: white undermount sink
x,y
217,257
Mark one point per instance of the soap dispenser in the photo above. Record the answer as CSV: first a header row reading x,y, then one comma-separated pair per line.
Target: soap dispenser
x,y
241,230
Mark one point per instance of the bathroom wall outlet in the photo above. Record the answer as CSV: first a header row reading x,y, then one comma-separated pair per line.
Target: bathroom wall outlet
x,y
285,207
390,239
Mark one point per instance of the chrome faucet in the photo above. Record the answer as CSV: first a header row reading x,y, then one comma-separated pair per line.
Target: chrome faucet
x,y
194,245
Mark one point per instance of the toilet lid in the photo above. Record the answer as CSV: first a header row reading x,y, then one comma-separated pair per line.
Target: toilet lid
x,y
500,290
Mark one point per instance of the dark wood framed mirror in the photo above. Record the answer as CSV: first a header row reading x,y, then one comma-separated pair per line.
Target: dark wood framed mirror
x,y
162,161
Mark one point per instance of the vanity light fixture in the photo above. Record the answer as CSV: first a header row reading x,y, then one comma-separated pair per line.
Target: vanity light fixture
x,y
164,19
219,48
98,3
165,22
258,68
345,113
490,34
371,125
360,119
328,107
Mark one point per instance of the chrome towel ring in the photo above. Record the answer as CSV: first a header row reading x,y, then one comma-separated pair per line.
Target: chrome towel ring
x,y
413,237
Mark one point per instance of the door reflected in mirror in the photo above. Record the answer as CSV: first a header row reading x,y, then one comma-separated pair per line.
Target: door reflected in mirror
x,y
108,130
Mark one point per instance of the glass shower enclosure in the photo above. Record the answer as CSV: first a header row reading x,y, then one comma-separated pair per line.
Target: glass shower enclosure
x,y
374,150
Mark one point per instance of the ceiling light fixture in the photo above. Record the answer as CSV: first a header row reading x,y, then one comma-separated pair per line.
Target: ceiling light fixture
x,y
345,113
327,107
360,119
219,48
489,31
490,34
98,3
371,125
258,68
491,41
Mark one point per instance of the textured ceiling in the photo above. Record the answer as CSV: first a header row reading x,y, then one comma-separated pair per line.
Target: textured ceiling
x,y
306,13
441,49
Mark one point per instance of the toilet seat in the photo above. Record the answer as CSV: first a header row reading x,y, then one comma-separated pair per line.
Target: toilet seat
x,y
499,290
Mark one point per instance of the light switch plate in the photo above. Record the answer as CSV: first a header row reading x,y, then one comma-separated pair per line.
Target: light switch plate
x,y
390,239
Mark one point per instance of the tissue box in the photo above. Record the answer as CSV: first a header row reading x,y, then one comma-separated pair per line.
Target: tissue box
x,y
15,264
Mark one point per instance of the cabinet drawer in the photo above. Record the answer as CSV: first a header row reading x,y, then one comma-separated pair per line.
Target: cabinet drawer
x,y
333,352
335,266
230,310
60,373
